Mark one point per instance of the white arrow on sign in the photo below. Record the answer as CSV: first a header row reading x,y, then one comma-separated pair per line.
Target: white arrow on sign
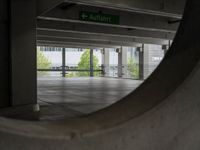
x,y
84,16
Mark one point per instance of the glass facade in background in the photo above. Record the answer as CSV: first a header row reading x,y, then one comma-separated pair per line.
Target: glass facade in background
x,y
77,62
131,66
113,63
152,59
49,58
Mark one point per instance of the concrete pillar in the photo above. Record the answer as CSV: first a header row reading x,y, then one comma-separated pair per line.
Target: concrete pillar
x,y
5,91
145,49
105,61
23,52
18,55
165,48
91,63
120,63
141,62
124,61
63,62
18,88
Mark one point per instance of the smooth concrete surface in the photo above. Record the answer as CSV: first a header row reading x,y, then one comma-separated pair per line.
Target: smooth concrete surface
x,y
25,112
23,52
4,57
61,98
162,114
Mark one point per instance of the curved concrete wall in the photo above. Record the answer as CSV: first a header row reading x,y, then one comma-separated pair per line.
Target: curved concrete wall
x,y
162,114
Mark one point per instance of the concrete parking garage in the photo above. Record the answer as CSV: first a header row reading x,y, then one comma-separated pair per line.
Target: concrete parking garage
x,y
163,113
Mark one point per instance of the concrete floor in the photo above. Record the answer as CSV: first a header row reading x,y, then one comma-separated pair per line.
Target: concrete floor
x,y
61,98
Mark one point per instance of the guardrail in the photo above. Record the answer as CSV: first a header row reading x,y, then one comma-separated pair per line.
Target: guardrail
x,y
69,70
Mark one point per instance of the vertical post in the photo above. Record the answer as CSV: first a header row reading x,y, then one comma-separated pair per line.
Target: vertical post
x,y
120,65
141,62
103,67
63,62
124,61
170,43
165,48
91,63
105,61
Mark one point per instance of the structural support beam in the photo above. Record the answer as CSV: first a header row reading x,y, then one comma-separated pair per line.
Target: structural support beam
x,y
105,62
145,60
165,48
84,41
141,62
99,37
120,63
156,7
91,63
4,57
72,45
124,61
23,52
114,31
127,19
44,6
63,62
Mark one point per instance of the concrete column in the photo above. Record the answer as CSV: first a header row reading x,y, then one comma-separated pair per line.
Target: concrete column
x,y
141,62
18,88
63,62
124,61
120,65
145,49
91,63
4,57
105,61
23,52
165,48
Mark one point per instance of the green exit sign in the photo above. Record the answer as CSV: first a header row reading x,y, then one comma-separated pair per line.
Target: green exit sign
x,y
99,17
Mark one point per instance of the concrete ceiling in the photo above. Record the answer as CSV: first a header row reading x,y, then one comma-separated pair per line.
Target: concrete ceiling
x,y
168,8
141,21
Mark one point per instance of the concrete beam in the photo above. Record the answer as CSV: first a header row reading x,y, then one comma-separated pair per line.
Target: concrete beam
x,y
168,8
44,6
99,37
127,19
86,41
74,45
86,28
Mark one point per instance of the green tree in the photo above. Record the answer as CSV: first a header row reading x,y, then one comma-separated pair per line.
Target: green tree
x,y
42,61
84,63
133,68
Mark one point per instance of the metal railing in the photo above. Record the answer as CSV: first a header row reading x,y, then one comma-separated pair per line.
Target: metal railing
x,y
127,71
67,70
